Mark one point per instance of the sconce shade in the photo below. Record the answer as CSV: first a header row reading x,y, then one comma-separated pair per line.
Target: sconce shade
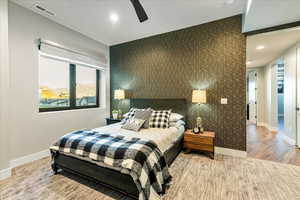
x,y
119,94
199,96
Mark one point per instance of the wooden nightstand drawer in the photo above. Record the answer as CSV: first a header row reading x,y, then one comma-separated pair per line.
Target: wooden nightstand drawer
x,y
201,147
201,142
198,139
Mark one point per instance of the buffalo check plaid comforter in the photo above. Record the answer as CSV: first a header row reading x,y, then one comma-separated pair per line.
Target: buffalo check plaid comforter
x,y
140,158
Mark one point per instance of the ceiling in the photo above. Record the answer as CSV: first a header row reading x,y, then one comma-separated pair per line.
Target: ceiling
x,y
267,13
92,17
275,43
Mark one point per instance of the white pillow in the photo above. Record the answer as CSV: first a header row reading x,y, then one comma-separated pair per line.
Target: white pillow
x,y
177,124
175,117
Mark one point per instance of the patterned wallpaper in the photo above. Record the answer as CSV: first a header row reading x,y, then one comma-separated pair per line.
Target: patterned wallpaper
x,y
210,56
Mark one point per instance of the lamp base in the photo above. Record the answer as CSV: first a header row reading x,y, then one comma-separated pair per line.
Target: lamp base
x,y
199,124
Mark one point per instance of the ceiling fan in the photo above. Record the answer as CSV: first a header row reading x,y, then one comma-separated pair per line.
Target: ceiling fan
x,y
140,12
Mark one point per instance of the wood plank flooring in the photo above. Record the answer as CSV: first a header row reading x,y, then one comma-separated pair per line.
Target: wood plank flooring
x,y
267,145
195,177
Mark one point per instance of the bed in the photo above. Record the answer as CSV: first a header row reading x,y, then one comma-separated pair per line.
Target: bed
x,y
170,145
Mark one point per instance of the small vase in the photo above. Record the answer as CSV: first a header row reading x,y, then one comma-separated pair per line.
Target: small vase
x,y
115,115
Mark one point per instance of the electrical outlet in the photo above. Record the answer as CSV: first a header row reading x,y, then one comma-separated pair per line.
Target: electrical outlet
x,y
223,100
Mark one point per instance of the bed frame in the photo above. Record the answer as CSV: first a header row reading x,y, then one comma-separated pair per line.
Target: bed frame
x,y
112,178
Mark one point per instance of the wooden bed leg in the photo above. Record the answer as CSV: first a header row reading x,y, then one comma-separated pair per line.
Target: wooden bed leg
x,y
54,168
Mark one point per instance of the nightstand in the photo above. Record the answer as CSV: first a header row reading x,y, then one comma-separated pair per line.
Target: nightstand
x,y
202,142
112,121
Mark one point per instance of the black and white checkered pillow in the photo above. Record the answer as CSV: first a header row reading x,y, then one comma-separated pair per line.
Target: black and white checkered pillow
x,y
160,119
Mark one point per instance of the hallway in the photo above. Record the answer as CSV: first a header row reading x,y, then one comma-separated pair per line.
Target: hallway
x,y
266,145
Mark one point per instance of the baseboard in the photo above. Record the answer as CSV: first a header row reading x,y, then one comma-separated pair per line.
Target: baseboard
x,y
29,158
5,173
289,140
230,152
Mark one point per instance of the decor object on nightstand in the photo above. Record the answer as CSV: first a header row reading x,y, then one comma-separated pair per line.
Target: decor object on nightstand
x,y
115,114
202,142
119,95
199,97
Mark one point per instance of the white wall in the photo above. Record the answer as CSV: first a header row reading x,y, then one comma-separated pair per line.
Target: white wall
x,y
4,86
267,111
272,104
32,131
269,103
290,93
260,94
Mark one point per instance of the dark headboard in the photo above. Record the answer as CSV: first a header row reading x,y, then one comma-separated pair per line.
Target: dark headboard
x,y
177,105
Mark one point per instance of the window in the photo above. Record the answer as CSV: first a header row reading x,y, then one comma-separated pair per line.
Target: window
x,y
86,86
54,84
66,86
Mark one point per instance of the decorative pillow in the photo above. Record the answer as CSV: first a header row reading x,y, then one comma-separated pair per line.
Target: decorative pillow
x,y
131,114
145,115
175,117
133,124
160,119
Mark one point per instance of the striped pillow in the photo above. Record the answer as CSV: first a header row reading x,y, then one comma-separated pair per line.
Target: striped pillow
x,y
134,124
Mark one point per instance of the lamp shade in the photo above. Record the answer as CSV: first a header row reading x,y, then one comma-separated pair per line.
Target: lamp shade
x,y
199,96
119,94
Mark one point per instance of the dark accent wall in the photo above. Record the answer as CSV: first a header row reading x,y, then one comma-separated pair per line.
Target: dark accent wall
x,y
210,56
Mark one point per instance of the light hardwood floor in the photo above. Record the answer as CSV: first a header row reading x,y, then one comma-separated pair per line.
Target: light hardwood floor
x,y
267,145
195,177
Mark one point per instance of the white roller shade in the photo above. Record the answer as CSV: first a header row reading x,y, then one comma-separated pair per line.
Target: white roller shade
x,y
48,48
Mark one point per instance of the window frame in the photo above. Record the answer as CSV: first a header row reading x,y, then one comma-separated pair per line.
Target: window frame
x,y
72,92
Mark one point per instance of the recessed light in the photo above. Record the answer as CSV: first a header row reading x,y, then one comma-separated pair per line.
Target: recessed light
x,y
114,17
260,47
248,62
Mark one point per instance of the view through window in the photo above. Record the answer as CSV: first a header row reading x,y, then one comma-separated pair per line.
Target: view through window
x,y
65,86
86,86
54,83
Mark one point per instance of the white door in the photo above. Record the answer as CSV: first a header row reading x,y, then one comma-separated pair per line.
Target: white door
x,y
252,97
298,98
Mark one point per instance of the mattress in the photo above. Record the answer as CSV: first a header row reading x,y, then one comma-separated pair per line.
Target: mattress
x,y
164,138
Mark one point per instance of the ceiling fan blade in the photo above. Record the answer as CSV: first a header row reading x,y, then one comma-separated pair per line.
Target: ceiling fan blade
x,y
139,10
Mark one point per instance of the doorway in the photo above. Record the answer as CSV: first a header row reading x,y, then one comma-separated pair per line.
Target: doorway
x,y
251,86
273,96
280,94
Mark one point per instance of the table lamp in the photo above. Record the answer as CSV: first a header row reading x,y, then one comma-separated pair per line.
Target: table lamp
x,y
119,95
199,97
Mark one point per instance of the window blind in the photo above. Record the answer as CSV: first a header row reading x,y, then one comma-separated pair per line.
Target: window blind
x,y
51,49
